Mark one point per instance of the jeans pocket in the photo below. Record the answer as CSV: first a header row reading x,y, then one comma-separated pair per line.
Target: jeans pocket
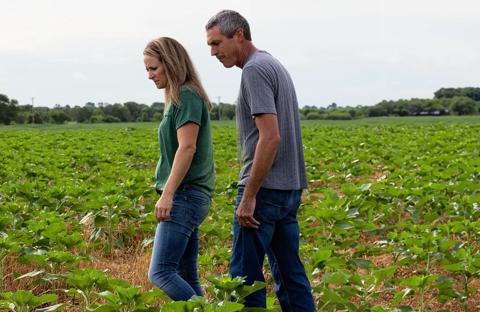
x,y
199,204
179,207
271,205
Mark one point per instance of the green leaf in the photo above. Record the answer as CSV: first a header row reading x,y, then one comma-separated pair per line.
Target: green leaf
x,y
108,307
178,306
412,282
227,306
37,301
330,295
361,263
21,297
338,278
384,274
455,267
250,289
109,296
343,225
399,296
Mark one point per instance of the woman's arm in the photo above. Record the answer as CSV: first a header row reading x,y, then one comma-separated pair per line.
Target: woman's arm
x,y
187,141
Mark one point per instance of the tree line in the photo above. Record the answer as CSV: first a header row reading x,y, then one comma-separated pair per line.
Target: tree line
x,y
11,112
446,101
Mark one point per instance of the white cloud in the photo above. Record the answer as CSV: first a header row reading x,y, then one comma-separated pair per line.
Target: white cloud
x,y
79,76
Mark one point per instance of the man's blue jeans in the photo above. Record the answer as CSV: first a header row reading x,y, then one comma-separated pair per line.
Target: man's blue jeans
x,y
278,237
173,267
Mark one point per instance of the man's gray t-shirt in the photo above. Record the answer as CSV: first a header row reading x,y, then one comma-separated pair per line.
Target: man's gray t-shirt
x,y
267,88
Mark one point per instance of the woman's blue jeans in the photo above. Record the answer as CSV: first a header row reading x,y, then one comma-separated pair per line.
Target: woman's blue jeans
x,y
173,267
278,238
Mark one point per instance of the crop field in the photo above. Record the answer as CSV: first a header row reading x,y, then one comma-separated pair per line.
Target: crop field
x,y
390,221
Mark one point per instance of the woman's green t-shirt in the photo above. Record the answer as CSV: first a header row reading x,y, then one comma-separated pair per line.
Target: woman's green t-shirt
x,y
191,109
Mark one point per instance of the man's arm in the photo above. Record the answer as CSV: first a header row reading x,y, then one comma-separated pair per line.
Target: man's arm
x,y
265,151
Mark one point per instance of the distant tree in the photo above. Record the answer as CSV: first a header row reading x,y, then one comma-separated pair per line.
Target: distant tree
x,y
222,111
473,93
108,118
226,111
36,118
446,93
312,112
377,110
215,113
352,112
146,114
134,110
117,110
58,116
338,115
157,109
313,115
82,114
462,105
157,116
436,107
8,109
158,106
332,106
470,92
416,106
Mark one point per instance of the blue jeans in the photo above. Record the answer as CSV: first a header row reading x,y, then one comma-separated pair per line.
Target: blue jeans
x,y
173,267
278,238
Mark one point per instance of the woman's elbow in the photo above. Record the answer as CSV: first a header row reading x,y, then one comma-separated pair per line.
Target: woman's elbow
x,y
189,149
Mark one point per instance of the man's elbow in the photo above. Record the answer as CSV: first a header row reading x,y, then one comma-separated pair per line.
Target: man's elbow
x,y
277,139
273,140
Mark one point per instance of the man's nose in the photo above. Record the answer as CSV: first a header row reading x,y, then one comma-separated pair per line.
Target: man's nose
x,y
213,51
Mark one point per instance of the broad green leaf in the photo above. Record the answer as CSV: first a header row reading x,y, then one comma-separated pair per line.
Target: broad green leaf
x,y
338,278
227,306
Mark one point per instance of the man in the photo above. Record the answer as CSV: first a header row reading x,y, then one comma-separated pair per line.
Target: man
x,y
273,173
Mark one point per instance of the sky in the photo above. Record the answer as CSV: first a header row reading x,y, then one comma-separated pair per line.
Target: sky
x,y
351,52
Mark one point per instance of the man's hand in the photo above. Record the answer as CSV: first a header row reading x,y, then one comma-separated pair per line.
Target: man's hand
x,y
245,211
163,208
265,151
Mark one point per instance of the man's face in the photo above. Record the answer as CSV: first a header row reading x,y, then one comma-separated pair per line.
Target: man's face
x,y
223,48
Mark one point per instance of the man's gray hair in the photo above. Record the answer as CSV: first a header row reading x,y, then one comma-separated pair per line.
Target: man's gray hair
x,y
229,21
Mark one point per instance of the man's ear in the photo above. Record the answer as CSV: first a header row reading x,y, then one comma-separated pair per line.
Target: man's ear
x,y
239,34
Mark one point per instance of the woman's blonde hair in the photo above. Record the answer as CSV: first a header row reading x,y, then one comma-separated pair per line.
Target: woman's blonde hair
x,y
179,69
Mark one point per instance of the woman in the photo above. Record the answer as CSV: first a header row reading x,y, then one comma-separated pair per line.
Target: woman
x,y
184,174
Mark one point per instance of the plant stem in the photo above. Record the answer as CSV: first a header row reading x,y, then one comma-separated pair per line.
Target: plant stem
x,y
422,300
2,265
110,230
465,289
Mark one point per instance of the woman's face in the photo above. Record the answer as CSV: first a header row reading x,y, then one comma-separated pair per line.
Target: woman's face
x,y
156,71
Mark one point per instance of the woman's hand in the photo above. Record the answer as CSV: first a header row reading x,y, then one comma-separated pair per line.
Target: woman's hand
x,y
163,207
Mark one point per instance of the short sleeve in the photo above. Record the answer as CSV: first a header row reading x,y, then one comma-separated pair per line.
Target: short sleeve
x,y
258,91
190,109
